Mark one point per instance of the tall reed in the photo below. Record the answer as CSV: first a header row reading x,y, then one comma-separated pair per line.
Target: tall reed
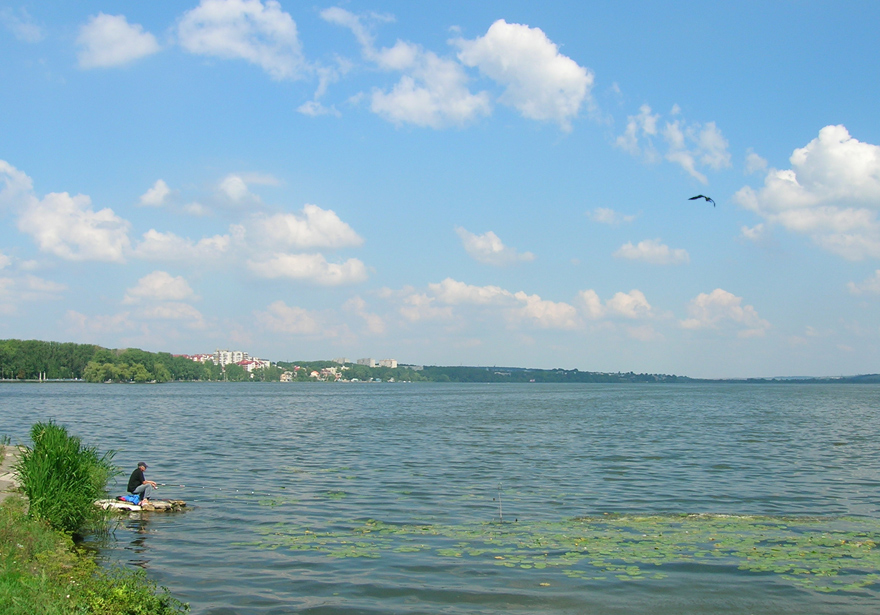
x,y
62,477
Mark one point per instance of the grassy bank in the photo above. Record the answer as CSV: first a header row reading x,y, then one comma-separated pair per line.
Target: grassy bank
x,y
41,569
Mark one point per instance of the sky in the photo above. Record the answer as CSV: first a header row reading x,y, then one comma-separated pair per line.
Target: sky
x,y
447,183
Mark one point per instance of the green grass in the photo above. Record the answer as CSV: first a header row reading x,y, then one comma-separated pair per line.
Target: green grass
x,y
62,478
42,572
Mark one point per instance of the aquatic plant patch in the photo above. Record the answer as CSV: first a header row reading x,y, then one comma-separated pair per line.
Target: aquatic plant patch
x,y
816,554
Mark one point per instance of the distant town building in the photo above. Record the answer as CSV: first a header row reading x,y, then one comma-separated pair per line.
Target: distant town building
x,y
367,362
224,357
341,361
287,377
250,365
392,363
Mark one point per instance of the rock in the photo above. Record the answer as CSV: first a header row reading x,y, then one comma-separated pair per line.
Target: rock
x,y
151,506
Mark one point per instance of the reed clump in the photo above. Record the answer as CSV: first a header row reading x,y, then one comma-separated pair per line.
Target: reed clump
x,y
62,478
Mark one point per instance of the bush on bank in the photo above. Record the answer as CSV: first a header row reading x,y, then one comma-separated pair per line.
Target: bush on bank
x,y
42,572
62,478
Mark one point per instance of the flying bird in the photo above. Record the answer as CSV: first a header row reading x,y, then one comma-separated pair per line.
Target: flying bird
x,y
703,196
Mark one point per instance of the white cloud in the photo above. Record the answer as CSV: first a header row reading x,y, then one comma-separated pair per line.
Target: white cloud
x,y
314,228
432,92
870,286
754,233
96,324
632,305
590,304
15,290
68,227
546,314
830,194
156,196
605,215
640,127
17,187
234,187
158,246
159,286
419,306
754,163
691,145
654,252
21,25
309,267
720,309
282,318
173,310
488,248
540,82
109,40
261,34
314,108
453,292
356,305
5,261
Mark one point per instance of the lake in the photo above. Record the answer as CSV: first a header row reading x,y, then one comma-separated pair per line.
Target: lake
x,y
473,498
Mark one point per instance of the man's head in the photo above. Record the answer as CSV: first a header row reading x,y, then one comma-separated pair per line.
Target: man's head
x,y
142,465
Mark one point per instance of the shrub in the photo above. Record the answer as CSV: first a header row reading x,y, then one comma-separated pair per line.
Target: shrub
x,y
62,477
41,572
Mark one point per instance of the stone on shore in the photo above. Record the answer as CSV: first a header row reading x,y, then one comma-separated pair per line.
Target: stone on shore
x,y
151,506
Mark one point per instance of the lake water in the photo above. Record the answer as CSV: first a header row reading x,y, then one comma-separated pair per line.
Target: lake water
x,y
469,498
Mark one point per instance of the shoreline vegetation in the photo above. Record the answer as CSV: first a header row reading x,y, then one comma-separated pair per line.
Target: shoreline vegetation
x,y
43,568
34,360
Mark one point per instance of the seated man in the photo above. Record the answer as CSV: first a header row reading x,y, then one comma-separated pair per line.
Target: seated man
x,y
139,485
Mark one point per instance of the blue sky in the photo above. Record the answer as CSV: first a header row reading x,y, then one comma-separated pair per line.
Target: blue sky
x,y
450,183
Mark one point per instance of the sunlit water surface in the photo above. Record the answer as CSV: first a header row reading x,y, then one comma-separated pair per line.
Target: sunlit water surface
x,y
389,498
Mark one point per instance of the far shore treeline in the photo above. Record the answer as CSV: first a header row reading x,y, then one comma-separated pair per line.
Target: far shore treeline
x,y
38,360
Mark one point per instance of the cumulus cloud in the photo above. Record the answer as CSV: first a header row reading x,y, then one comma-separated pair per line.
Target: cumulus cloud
x,y
282,318
313,228
173,310
158,246
109,40
632,305
309,267
539,82
488,248
17,289
605,215
234,187
691,145
870,286
156,196
17,187
419,306
831,194
68,227
432,92
754,163
262,34
654,252
545,314
721,309
753,233
374,323
159,286
514,307
21,25
453,292
637,139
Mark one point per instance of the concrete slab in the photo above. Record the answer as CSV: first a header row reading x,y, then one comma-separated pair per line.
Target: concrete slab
x,y
8,482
